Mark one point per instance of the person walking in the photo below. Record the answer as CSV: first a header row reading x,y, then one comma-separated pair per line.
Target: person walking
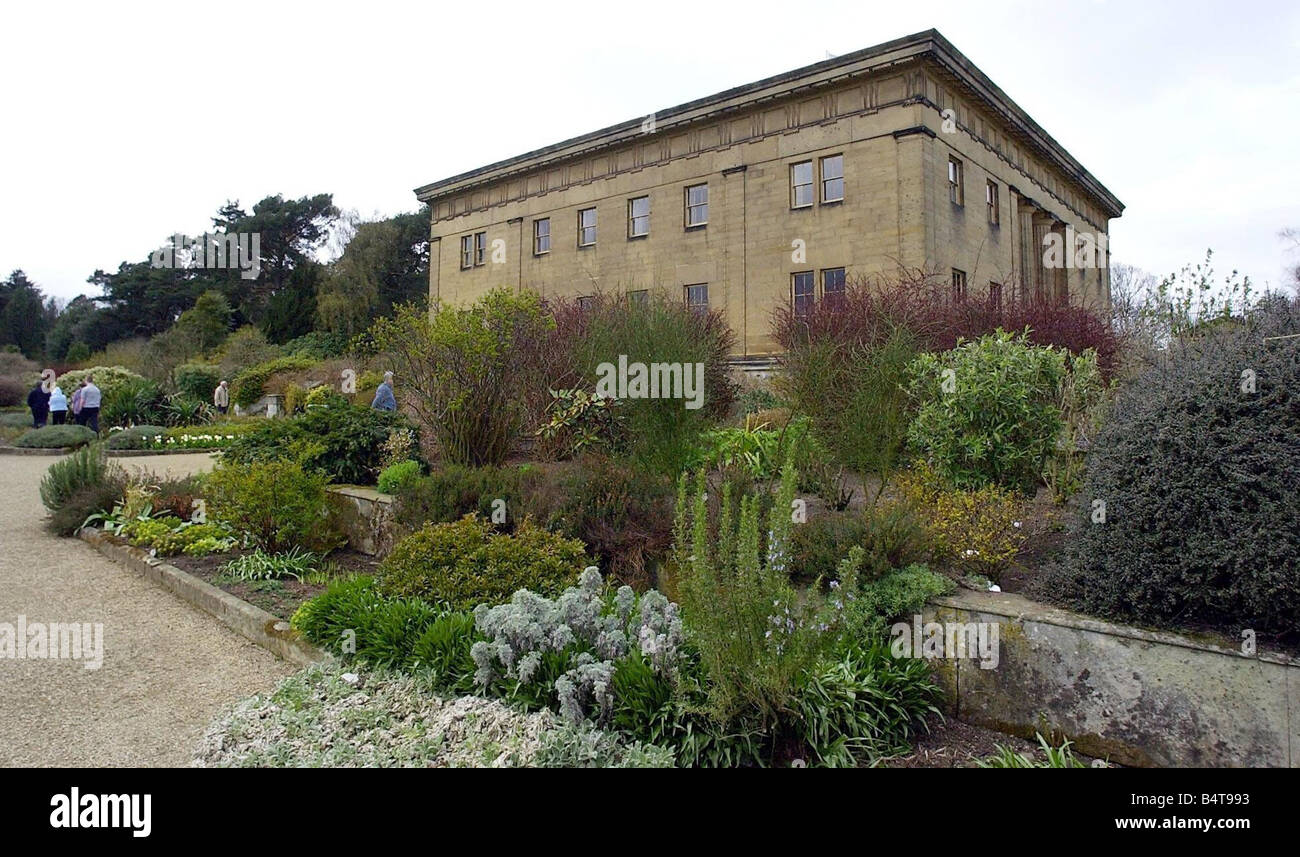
x,y
384,398
221,398
78,395
90,400
39,402
58,406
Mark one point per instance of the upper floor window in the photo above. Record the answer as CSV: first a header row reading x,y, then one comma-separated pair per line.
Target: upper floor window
x,y
697,205
955,181
958,285
586,227
480,247
466,251
833,178
991,198
802,291
801,184
697,296
638,217
541,236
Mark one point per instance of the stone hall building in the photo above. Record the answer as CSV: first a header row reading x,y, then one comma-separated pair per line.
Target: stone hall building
x,y
778,192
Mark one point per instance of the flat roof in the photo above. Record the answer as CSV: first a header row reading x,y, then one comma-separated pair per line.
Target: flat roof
x,y
929,44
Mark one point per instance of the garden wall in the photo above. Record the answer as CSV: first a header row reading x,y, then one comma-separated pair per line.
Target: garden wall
x,y
366,517
1132,696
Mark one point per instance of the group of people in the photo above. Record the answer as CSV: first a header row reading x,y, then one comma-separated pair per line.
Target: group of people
x,y
52,405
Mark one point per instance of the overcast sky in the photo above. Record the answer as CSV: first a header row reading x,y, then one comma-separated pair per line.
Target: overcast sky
x,y
122,123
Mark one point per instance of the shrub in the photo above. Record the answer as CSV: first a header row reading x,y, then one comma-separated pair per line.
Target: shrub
x,y
197,381
340,440
276,503
986,411
662,433
624,516
394,476
580,422
1191,508
133,401
244,348
56,437
135,437
754,634
1082,400
260,565
898,594
819,545
181,410
465,563
451,492
107,378
979,530
83,484
464,370
249,385
12,391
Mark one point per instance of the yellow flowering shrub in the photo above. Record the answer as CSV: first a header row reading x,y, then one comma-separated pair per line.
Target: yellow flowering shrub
x,y
980,530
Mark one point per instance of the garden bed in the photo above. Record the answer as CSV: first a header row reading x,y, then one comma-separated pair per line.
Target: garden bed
x,y
280,598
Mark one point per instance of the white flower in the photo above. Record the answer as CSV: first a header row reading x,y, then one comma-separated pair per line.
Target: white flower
x,y
1016,524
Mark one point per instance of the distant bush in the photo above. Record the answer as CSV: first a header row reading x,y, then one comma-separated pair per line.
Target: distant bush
x,y
344,442
466,563
897,595
450,492
198,381
56,437
249,385
135,437
394,476
12,391
107,379
276,503
318,345
987,410
1190,509
132,402
76,487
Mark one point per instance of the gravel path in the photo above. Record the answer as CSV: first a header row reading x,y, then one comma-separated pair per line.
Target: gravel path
x,y
168,668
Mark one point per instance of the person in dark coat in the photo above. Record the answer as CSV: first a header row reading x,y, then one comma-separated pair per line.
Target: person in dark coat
x,y
39,401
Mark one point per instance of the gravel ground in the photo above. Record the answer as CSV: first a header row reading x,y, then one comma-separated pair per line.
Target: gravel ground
x,y
168,668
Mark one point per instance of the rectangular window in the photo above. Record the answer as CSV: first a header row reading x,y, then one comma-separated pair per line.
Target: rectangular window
x,y
586,227
833,178
955,181
466,252
480,247
958,285
638,217
541,236
833,285
991,197
586,303
697,297
697,205
639,296
995,296
801,185
802,289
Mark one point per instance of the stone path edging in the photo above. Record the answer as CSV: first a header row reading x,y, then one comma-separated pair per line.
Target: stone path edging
x,y
112,453
250,622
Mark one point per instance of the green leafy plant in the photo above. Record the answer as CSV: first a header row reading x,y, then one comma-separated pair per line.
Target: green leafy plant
x,y
1053,757
987,410
80,485
250,384
135,437
56,437
466,563
579,422
197,381
394,476
980,530
133,401
260,565
277,504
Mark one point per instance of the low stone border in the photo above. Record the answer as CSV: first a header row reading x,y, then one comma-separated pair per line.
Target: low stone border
x,y
252,623
22,450
1137,697
366,516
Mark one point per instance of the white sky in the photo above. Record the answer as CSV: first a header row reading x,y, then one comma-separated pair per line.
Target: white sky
x,y
124,122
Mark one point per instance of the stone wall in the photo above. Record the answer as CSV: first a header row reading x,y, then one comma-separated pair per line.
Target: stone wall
x,y
366,516
1133,696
